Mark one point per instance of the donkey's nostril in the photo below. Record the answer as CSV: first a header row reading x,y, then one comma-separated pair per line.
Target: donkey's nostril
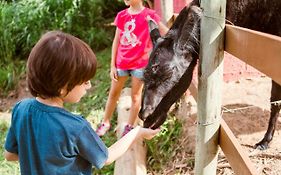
x,y
141,116
145,112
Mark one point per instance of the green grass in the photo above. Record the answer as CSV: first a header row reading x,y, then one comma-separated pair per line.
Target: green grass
x,y
160,149
93,103
10,74
7,168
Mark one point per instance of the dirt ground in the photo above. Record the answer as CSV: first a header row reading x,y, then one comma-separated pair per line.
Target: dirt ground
x,y
248,122
246,111
19,93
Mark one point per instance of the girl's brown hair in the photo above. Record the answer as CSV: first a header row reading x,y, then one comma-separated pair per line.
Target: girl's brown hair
x,y
59,60
148,4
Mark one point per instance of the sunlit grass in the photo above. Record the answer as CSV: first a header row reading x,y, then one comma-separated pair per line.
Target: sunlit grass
x,y
10,74
6,168
161,149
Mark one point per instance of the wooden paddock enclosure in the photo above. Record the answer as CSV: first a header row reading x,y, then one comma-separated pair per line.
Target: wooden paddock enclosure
x,y
262,51
257,49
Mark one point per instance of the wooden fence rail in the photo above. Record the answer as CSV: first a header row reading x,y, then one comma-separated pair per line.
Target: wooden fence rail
x,y
260,50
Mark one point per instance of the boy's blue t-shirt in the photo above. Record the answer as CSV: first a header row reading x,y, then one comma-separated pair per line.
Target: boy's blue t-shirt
x,y
50,140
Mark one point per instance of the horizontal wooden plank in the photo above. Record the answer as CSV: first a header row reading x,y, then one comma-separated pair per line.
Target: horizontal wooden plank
x,y
237,158
260,50
193,89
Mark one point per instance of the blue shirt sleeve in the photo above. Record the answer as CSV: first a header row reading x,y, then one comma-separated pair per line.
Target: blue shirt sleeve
x,y
11,144
91,147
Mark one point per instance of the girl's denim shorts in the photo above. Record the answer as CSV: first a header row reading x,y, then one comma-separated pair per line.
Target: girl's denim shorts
x,y
138,73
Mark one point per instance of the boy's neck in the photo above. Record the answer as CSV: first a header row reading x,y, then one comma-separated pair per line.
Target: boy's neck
x,y
136,9
56,102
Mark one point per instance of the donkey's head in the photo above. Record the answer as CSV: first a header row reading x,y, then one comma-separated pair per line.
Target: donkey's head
x,y
170,67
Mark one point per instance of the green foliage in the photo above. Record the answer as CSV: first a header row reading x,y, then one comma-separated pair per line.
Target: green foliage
x,y
3,131
7,46
10,73
95,100
161,148
22,22
111,7
7,168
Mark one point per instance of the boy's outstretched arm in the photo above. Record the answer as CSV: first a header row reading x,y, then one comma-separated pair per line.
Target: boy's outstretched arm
x,y
121,146
10,156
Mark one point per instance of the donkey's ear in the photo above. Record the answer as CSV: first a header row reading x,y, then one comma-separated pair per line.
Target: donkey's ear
x,y
154,31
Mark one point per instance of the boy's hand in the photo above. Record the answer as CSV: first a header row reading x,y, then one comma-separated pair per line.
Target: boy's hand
x,y
148,133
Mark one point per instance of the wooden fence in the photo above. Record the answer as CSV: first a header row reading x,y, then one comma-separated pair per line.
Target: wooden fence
x,y
260,50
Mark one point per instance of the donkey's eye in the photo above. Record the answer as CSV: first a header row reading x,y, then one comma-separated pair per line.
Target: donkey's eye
x,y
154,68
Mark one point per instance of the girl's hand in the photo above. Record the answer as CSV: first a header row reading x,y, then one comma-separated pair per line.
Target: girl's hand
x,y
113,74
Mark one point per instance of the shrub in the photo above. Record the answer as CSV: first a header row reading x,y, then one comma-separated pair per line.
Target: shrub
x,y
22,22
7,45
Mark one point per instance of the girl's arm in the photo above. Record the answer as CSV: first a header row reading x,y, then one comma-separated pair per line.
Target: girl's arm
x,y
162,28
121,146
11,156
115,44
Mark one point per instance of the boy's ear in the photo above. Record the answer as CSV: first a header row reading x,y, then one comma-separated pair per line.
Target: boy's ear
x,y
63,92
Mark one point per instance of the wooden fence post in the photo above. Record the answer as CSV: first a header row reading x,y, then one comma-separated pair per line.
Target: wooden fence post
x,y
167,8
133,162
210,80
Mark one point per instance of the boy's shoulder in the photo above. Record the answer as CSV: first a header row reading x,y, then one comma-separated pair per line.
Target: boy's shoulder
x,y
32,106
28,102
24,102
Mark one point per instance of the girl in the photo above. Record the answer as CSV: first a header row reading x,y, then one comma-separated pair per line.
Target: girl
x,y
130,51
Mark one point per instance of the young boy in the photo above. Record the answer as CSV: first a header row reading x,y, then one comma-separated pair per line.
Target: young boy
x,y
46,138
